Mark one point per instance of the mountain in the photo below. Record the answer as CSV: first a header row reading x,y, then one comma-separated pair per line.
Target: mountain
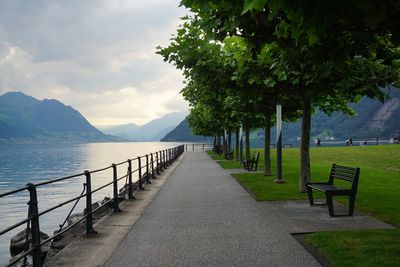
x,y
124,130
182,132
151,131
373,119
26,119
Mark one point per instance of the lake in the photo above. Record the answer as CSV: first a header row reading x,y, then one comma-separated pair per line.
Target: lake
x,y
21,163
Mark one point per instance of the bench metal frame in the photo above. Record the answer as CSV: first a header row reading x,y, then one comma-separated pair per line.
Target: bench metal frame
x,y
229,155
252,164
337,172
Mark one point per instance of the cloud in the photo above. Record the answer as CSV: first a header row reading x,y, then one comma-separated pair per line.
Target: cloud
x,y
98,56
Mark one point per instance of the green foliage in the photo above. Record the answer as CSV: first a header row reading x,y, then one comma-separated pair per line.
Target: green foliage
x,y
253,4
303,54
358,248
324,18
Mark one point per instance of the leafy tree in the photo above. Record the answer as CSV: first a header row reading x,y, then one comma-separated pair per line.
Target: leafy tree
x,y
208,69
322,61
328,71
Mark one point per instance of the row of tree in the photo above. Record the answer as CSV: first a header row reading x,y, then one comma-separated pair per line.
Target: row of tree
x,y
239,58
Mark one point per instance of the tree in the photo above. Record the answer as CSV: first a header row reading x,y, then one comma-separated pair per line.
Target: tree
x,y
356,58
220,19
208,67
311,51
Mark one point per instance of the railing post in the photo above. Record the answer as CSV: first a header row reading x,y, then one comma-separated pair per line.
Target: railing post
x,y
130,190
164,163
34,213
89,211
159,167
203,147
147,170
167,157
115,187
140,174
158,164
152,166
161,161
193,146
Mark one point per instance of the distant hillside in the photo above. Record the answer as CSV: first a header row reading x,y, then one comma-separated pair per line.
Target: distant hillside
x,y
151,131
124,131
26,119
182,132
373,119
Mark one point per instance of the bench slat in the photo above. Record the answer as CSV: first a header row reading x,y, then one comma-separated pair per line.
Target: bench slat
x,y
341,177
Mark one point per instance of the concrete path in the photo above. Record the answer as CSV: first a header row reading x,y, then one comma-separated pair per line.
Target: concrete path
x,y
203,217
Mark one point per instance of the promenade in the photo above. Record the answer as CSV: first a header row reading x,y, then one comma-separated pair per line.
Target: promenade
x,y
203,217
196,214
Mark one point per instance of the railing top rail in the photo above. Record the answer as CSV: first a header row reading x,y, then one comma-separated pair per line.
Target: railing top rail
x,y
58,179
13,191
71,176
121,163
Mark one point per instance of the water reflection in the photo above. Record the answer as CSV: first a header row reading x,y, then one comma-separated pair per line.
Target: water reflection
x,y
20,164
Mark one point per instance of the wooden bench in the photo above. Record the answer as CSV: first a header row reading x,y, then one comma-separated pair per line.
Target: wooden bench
x,y
251,164
343,173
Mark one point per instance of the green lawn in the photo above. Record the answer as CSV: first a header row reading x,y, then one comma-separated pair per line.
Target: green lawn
x,y
378,195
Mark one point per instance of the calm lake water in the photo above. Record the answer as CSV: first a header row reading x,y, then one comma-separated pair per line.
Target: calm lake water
x,y
20,164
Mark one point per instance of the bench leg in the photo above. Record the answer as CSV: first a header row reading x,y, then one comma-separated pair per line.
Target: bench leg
x,y
253,167
330,205
310,195
352,201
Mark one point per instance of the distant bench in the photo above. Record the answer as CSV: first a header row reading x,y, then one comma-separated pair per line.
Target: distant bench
x,y
229,155
251,164
343,173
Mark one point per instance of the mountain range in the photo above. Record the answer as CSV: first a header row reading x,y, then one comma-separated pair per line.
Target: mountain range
x,y
26,119
151,131
373,119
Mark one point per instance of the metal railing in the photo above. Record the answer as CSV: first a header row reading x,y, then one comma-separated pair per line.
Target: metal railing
x,y
198,147
154,163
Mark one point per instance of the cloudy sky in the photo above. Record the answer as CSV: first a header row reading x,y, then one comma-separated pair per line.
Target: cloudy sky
x,y
96,55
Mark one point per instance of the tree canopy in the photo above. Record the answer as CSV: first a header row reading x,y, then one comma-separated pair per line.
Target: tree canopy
x,y
240,57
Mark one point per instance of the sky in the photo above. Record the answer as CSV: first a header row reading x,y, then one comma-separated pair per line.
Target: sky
x,y
96,55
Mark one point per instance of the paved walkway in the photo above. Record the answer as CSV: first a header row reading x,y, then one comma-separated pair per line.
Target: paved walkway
x,y
203,217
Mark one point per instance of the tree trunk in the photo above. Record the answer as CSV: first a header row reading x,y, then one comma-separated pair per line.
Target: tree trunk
x,y
305,146
219,144
237,144
267,142
224,143
215,143
229,150
247,133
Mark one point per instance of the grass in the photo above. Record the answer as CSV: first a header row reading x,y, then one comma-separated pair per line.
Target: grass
x,y
378,196
358,248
